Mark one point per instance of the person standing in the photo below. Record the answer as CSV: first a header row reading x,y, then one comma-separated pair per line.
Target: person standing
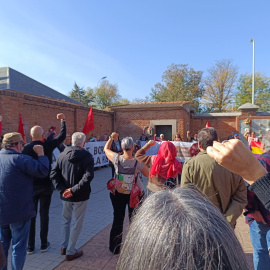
x,y
116,148
43,187
226,190
71,176
258,219
163,166
127,169
16,194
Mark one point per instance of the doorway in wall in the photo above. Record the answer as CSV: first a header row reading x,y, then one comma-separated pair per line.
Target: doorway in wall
x,y
164,129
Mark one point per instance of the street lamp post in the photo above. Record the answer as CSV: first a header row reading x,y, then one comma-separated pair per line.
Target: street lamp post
x,y
253,71
103,78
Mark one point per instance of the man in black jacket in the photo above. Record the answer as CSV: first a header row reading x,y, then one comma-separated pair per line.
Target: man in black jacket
x,y
43,186
71,176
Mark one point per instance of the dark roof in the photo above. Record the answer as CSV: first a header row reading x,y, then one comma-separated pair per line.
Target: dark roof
x,y
11,79
172,104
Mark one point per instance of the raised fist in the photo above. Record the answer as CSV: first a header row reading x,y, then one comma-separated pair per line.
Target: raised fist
x,y
60,116
38,149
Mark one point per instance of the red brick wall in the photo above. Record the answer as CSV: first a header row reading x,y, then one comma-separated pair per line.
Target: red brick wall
x,y
130,122
42,111
223,125
127,122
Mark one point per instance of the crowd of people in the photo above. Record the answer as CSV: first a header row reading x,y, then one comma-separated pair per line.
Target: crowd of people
x,y
183,220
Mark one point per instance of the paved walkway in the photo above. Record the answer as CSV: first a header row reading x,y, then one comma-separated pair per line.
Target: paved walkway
x,y
95,233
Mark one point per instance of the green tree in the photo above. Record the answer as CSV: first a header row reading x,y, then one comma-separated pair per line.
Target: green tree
x,y
121,101
90,97
219,86
77,93
86,97
261,91
106,94
181,83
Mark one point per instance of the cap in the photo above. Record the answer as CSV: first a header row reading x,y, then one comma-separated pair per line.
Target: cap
x,y
12,137
236,135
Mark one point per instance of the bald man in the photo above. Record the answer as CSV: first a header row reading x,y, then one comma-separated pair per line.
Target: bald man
x,y
43,186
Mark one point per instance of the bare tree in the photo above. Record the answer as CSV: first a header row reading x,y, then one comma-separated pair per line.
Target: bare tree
x,y
219,86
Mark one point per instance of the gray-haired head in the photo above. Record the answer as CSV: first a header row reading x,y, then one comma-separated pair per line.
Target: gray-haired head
x,y
78,139
180,229
127,143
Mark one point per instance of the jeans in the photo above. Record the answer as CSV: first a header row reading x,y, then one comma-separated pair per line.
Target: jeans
x,y
260,239
119,203
17,233
73,212
44,207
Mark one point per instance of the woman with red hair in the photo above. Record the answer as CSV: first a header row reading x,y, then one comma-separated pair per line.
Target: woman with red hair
x,y
162,166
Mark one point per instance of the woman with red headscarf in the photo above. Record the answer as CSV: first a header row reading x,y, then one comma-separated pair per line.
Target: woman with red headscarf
x,y
162,166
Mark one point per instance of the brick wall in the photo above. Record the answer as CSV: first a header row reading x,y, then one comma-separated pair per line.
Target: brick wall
x,y
42,111
223,125
130,122
127,122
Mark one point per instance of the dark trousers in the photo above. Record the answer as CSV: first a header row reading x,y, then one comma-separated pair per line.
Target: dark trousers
x,y
44,206
113,170
119,203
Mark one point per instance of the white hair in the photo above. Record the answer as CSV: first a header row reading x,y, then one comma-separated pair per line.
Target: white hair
x,y
127,143
78,139
180,229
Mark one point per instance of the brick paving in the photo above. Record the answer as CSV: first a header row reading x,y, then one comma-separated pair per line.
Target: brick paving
x,y
94,237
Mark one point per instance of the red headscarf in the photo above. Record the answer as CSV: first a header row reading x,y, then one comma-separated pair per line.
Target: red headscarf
x,y
164,163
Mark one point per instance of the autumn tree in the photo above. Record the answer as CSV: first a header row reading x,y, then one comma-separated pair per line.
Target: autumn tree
x,y
106,94
261,91
180,83
219,86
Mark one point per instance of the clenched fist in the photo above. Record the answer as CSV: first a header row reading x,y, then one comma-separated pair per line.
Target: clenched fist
x,y
60,116
39,150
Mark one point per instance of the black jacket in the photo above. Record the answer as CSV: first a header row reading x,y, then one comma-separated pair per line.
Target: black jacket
x,y
74,168
44,185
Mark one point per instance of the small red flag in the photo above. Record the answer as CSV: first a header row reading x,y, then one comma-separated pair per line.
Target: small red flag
x,y
21,128
207,125
89,123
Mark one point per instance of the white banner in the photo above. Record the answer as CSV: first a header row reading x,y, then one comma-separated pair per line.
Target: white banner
x,y
185,150
95,148
97,151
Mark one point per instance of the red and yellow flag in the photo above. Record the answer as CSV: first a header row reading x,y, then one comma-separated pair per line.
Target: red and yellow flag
x,y
256,148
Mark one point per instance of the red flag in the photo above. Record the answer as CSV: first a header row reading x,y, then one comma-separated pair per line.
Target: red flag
x,y
21,128
207,125
89,123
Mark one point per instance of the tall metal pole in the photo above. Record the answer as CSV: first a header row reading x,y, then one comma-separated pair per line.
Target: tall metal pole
x,y
253,71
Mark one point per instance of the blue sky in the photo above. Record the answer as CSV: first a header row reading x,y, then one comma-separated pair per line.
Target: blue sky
x,y
130,42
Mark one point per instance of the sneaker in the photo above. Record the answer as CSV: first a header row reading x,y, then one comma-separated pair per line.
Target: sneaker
x,y
30,251
44,248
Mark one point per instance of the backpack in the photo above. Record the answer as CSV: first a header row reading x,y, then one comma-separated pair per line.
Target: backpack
x,y
125,178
